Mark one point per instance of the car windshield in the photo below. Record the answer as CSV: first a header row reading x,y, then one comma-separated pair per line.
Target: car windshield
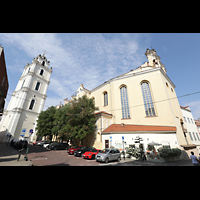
x,y
105,151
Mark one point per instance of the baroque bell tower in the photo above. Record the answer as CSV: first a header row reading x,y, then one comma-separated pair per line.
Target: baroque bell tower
x,y
27,100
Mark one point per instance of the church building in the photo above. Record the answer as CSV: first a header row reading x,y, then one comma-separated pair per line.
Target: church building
x,y
139,104
19,119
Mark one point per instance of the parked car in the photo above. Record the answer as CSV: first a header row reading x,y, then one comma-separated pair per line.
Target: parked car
x,y
35,143
58,146
81,151
108,155
73,148
91,154
40,143
46,144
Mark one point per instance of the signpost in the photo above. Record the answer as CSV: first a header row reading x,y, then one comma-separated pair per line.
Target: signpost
x,y
123,147
138,139
110,140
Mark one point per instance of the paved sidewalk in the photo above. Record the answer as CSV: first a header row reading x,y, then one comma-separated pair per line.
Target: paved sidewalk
x,y
134,162
9,155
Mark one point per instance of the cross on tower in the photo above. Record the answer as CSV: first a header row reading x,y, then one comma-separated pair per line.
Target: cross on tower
x,y
44,52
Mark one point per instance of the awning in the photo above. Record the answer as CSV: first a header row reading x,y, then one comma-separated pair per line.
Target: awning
x,y
188,146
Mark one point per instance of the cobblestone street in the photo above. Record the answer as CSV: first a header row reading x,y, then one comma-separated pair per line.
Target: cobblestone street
x,y
38,156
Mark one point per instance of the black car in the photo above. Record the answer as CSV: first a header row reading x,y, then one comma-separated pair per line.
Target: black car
x,y
82,151
58,146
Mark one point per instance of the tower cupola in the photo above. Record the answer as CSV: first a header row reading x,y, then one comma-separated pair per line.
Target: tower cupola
x,y
154,59
41,59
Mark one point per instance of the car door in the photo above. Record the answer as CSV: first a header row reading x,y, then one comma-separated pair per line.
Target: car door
x,y
115,155
59,146
111,155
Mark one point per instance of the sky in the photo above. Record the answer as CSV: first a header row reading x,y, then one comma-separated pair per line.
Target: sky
x,y
93,58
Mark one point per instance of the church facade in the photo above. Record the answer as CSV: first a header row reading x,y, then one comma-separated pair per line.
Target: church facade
x,y
19,119
139,104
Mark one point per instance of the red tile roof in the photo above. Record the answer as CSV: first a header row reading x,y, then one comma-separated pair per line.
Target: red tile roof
x,y
128,127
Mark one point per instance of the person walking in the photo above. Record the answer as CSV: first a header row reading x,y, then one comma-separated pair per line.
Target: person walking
x,y
195,161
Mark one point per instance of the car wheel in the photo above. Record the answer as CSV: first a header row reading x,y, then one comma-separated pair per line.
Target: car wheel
x,y
93,157
106,160
119,159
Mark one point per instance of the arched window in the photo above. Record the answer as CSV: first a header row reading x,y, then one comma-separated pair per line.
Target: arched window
x,y
37,86
41,72
105,94
124,102
32,104
147,98
43,63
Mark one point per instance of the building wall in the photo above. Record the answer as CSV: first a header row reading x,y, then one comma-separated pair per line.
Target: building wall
x,y
163,93
168,139
3,80
191,127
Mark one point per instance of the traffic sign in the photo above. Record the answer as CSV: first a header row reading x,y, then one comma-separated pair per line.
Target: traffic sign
x,y
110,137
31,130
122,137
23,130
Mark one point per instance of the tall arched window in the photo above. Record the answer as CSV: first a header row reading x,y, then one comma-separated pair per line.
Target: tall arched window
x,y
124,102
37,86
105,94
41,72
32,104
147,98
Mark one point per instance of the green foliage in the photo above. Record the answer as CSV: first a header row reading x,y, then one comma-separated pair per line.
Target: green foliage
x,y
82,118
45,122
165,153
73,121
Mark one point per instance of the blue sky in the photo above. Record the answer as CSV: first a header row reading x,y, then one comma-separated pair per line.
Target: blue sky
x,y
93,58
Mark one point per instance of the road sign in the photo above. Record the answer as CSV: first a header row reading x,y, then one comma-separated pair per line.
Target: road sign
x,y
22,135
110,137
23,130
31,130
122,137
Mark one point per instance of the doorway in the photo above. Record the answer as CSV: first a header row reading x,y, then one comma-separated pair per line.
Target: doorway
x,y
106,143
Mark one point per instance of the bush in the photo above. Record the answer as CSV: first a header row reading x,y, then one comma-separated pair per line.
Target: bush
x,y
166,153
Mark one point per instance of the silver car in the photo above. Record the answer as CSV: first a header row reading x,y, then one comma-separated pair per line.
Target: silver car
x,y
108,155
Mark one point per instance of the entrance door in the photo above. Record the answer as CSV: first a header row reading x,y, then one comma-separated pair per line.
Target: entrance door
x,y
106,143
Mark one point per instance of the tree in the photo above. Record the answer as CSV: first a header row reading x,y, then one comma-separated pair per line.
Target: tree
x,y
45,122
81,118
61,123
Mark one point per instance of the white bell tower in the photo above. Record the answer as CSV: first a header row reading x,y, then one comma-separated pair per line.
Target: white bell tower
x,y
27,100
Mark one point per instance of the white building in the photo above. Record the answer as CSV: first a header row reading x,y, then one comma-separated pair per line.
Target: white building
x,y
27,100
191,128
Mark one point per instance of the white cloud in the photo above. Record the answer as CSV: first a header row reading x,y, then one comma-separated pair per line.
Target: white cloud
x,y
195,108
90,59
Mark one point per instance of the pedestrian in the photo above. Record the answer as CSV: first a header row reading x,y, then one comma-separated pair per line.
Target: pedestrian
x,y
195,161
144,156
123,152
